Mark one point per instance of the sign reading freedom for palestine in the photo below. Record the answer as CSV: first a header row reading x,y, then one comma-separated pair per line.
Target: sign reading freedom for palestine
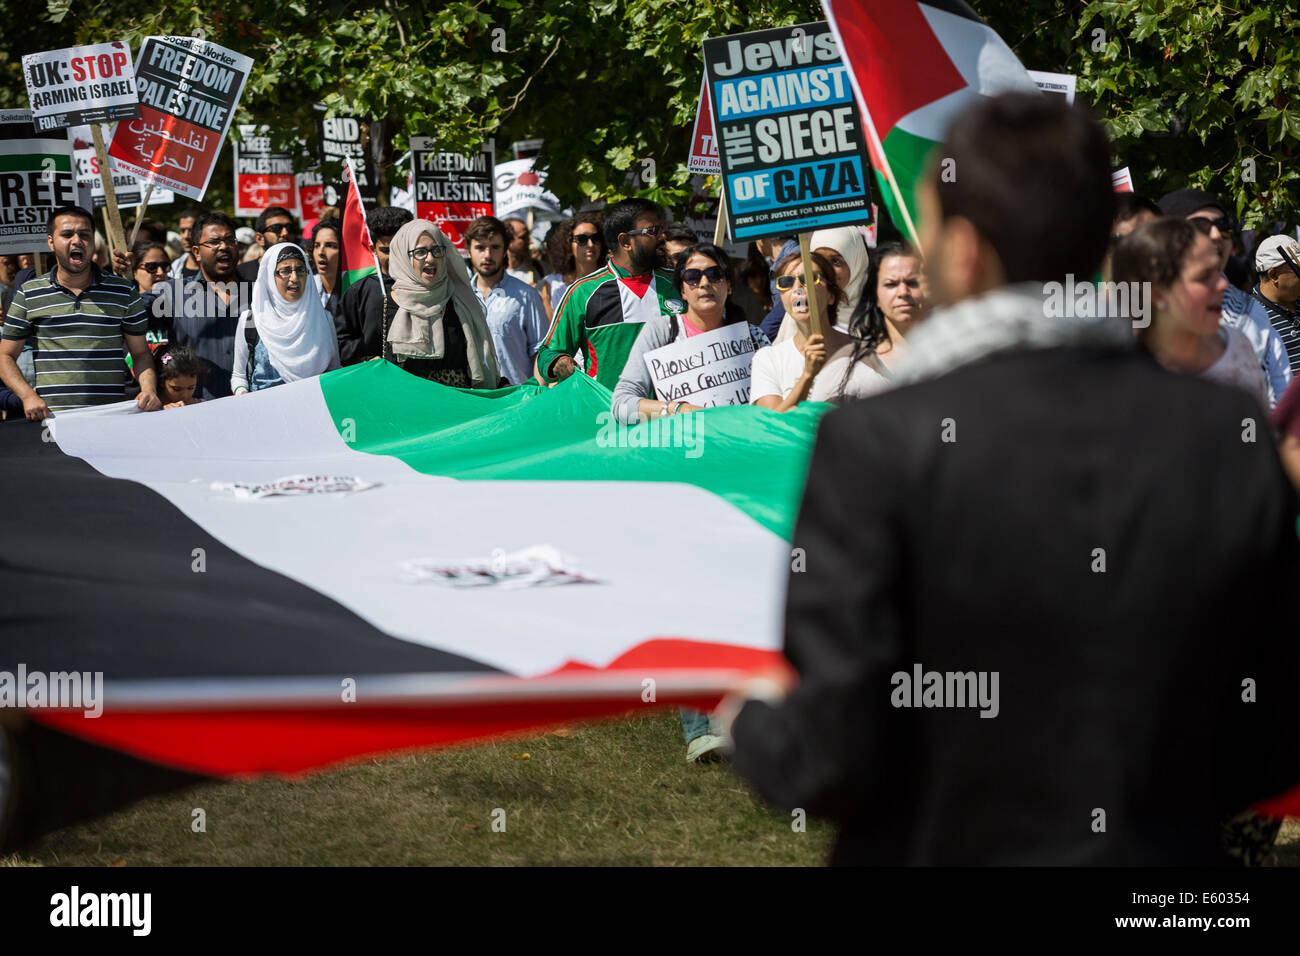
x,y
36,178
789,133
81,84
188,91
452,190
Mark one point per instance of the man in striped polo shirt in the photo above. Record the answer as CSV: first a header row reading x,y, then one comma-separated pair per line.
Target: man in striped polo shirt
x,y
80,318
1277,260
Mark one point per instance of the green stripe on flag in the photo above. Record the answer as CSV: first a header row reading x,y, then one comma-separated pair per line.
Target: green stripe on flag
x,y
754,458
908,155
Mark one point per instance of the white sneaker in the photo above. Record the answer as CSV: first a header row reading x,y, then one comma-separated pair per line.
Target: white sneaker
x,y
707,748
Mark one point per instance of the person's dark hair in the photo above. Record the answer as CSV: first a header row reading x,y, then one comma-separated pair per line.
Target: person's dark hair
x,y
590,218
1033,176
327,224
1154,253
68,211
731,312
191,212
151,230
143,248
1128,205
210,219
622,216
174,361
828,279
274,212
558,251
384,221
679,232
868,321
484,228
755,267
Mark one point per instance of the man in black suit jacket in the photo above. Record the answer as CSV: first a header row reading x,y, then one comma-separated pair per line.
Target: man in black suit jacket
x,y
367,308
1044,613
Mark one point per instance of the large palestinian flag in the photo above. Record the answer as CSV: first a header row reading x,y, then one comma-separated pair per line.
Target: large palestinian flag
x,y
244,632
914,66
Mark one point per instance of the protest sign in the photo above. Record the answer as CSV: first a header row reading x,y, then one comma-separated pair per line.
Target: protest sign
x,y
129,189
36,178
452,190
188,92
263,177
704,147
81,84
526,148
1060,84
709,369
789,134
521,188
342,138
1121,180
311,196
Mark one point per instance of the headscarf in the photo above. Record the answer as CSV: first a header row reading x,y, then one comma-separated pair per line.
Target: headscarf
x,y
848,242
299,336
417,330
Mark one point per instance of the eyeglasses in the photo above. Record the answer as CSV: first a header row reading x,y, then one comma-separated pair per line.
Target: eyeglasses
x,y
650,231
280,227
786,283
423,252
218,243
583,238
289,272
153,266
692,277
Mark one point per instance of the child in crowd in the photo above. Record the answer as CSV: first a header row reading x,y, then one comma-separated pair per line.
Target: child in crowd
x,y
179,370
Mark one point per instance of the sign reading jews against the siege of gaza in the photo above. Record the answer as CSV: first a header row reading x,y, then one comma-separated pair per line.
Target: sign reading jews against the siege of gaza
x,y
789,134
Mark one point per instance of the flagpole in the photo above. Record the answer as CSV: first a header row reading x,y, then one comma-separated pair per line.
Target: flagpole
x,y
112,218
814,308
139,216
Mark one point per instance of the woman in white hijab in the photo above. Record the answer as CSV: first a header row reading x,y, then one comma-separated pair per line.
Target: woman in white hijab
x,y
287,335
846,251
439,332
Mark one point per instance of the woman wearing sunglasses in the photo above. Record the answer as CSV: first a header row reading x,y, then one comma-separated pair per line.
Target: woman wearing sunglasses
x,y
575,248
808,367
702,280
287,335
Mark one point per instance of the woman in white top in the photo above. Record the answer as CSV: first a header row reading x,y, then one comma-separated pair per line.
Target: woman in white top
x,y
846,250
287,335
893,302
576,248
1181,267
807,367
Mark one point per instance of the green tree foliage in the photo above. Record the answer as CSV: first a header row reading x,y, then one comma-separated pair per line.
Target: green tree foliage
x,y
1192,91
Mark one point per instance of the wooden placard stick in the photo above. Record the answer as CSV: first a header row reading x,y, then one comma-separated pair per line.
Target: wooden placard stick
x,y
139,216
720,227
112,218
814,308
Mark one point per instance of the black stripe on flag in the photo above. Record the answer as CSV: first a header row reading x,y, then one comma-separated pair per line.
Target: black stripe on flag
x,y
955,7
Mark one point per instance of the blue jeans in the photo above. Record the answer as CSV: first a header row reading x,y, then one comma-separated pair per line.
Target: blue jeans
x,y
695,723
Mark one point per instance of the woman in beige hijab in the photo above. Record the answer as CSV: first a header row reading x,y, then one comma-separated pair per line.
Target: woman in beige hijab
x,y
439,332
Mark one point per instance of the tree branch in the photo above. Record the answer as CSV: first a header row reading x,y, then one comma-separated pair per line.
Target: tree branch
x,y
520,95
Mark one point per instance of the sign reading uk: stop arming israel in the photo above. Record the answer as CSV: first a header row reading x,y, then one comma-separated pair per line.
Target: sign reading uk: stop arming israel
x,y
789,134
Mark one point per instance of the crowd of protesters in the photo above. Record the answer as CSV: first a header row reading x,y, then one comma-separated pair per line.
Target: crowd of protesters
x,y
234,310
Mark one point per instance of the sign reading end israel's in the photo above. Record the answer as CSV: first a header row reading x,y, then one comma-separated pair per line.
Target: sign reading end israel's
x,y
789,133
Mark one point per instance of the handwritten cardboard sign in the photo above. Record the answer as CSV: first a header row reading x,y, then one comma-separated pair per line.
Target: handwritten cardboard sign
x,y
709,369
188,92
81,84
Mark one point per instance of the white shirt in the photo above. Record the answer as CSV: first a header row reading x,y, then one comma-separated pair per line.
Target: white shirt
x,y
1239,365
777,369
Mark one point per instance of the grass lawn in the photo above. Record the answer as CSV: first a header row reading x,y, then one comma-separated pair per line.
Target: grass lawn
x,y
613,794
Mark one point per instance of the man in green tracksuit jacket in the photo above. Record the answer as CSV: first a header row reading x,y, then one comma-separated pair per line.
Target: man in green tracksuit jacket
x,y
602,313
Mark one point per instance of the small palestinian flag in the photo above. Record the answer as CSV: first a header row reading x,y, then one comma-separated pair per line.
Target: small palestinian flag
x,y
357,256
914,66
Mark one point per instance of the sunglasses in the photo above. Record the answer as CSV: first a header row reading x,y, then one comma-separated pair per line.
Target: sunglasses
x,y
786,283
649,231
692,277
1223,224
425,251
153,266
280,227
584,238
